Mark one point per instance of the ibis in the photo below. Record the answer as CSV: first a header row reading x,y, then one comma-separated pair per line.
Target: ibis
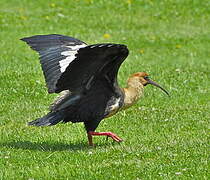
x,y
86,78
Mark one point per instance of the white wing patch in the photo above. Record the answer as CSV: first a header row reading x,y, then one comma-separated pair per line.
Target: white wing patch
x,y
77,46
65,62
70,56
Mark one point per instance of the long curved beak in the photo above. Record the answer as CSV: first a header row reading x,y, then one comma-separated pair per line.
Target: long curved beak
x,y
157,85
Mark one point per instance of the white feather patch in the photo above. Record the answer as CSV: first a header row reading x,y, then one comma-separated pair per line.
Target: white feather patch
x,y
65,62
77,46
69,53
70,56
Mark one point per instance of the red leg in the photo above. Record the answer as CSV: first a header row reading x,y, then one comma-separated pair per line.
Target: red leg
x,y
108,134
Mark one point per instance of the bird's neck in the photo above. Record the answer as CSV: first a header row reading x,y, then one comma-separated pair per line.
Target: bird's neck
x,y
132,92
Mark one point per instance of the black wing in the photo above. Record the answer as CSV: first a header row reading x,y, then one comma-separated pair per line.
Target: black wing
x,y
91,62
72,65
56,53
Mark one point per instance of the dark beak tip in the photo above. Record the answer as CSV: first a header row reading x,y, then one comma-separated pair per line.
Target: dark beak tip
x,y
157,85
168,94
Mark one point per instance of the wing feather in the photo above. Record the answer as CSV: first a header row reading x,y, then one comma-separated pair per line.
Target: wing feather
x,y
69,64
51,48
89,63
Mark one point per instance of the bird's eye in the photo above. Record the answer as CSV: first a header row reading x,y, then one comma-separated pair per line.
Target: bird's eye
x,y
146,77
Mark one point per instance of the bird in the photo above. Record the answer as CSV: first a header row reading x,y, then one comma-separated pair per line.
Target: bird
x,y
85,77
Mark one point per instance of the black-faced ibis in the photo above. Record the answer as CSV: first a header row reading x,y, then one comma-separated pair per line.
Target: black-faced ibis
x,y
86,76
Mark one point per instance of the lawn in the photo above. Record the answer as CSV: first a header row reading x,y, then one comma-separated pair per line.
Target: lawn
x,y
164,138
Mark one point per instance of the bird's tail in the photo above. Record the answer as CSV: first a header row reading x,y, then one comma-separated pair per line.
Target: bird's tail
x,y
50,119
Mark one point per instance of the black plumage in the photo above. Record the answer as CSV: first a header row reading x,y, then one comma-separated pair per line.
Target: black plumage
x,y
87,72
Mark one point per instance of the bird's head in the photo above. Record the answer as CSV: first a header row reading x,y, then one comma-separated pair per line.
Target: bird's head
x,y
143,79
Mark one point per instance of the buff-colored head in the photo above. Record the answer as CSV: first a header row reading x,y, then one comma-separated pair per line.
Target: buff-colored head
x,y
142,79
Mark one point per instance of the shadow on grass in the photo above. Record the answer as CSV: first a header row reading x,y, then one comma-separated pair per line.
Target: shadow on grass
x,y
48,146
45,146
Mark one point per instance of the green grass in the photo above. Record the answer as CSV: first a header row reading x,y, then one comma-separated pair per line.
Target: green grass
x,y
164,138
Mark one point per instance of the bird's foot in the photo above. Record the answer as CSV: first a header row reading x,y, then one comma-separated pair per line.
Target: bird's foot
x,y
113,136
108,134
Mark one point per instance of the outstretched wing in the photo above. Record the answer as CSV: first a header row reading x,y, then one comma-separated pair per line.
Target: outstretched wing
x,y
70,64
53,58
91,62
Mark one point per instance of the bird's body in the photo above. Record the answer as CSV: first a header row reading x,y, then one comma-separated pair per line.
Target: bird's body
x,y
86,76
94,104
